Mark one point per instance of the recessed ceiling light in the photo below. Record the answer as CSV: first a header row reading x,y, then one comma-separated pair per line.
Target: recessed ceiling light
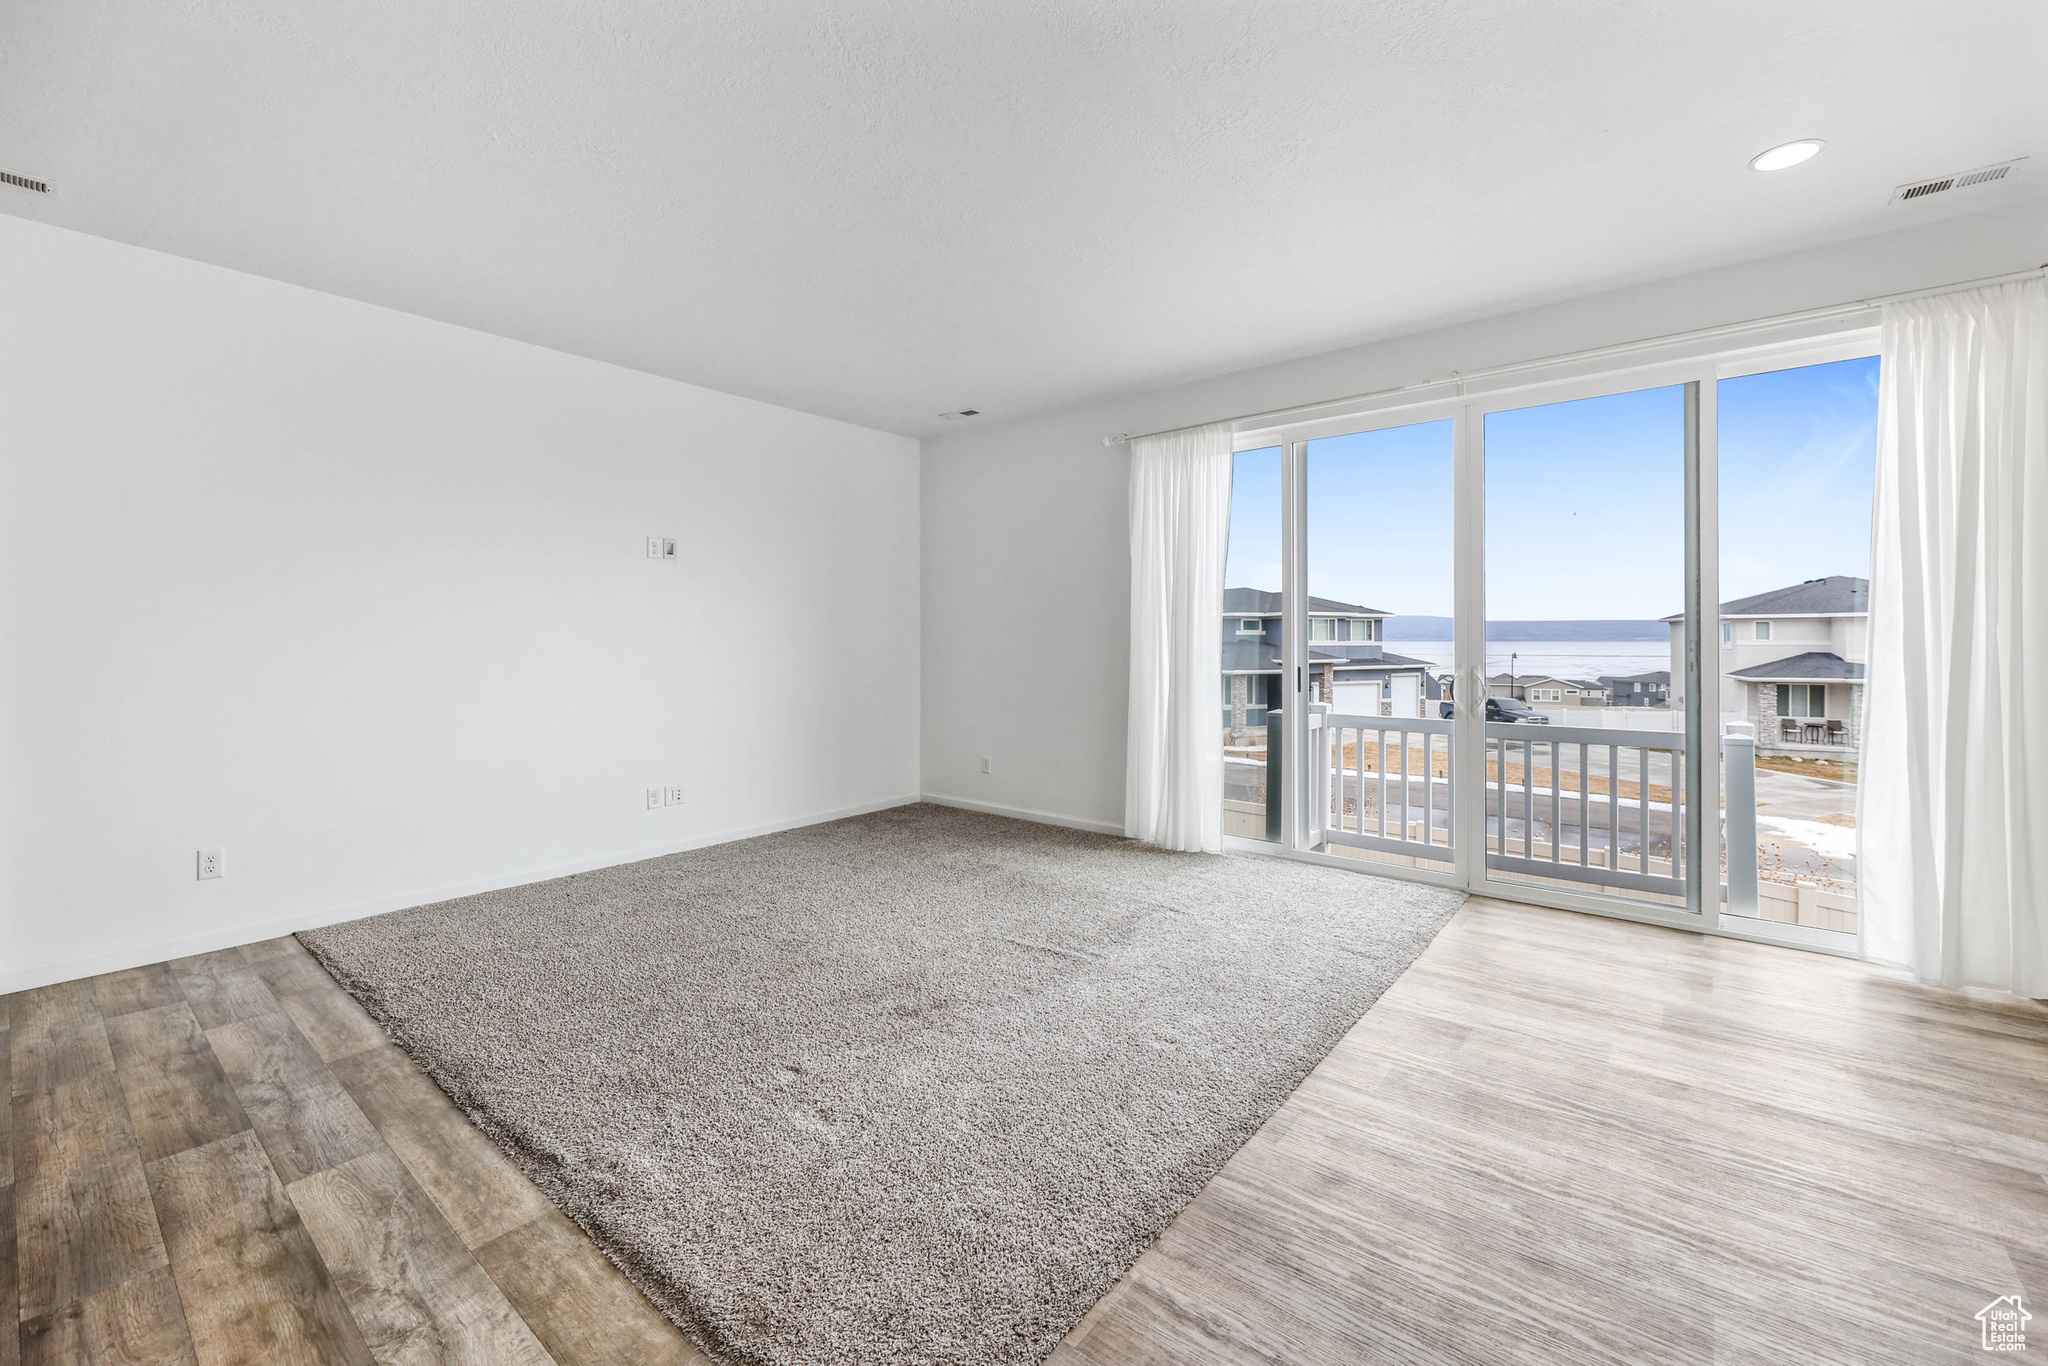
x,y
1786,154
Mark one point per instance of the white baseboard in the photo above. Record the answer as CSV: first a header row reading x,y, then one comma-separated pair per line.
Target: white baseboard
x,y
180,946
1024,813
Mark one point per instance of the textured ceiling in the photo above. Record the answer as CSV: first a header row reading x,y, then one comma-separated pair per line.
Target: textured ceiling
x,y
882,211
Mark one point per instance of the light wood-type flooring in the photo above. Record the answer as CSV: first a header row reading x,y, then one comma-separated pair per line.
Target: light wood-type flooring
x,y
1557,1138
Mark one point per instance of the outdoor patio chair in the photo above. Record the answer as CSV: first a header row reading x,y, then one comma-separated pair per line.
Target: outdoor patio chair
x,y
1788,729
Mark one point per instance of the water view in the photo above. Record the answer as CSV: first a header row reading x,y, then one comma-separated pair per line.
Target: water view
x,y
1588,659
1585,768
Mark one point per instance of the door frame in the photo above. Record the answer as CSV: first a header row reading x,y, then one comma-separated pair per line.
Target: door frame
x,y
1696,364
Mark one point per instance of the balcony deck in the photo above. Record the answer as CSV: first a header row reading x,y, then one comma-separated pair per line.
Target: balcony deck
x,y
1587,810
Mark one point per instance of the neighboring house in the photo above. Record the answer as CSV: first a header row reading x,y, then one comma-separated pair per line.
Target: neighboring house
x,y
1541,690
1638,690
1791,662
1348,667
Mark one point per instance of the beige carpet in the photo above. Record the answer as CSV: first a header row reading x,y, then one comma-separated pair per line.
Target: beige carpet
x,y
914,1087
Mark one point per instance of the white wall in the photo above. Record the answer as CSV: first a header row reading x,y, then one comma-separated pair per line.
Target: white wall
x,y
1026,572
363,598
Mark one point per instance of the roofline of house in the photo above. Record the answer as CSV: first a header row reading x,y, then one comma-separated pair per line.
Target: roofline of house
x,y
1752,678
1770,616
1787,616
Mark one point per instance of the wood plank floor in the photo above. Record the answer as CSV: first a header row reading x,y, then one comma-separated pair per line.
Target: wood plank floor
x,y
223,1160
1557,1138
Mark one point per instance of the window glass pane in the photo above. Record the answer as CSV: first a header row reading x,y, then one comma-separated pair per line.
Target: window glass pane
x,y
1379,523
1798,457
1585,580
1251,662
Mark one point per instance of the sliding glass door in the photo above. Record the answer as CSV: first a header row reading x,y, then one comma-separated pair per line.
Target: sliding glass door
x,y
1480,639
1379,652
1585,588
1798,455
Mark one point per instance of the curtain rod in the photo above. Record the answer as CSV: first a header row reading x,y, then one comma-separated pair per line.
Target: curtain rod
x,y
1621,348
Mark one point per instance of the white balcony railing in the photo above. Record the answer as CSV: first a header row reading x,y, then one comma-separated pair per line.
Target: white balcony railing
x,y
1380,782
1585,806
1559,805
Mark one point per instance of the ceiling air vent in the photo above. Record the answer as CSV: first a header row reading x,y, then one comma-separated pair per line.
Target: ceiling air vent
x,y
963,413
1963,180
24,183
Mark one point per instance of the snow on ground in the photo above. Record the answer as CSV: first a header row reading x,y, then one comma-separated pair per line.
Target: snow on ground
x,y
1829,841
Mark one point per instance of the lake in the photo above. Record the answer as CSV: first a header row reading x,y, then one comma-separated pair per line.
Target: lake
x,y
1560,658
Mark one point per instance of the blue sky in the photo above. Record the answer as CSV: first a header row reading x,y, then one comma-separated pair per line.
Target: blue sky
x,y
1379,518
1798,460
1584,501
1585,508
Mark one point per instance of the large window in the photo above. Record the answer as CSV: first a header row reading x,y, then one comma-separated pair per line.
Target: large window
x,y
1380,536
1798,459
1630,583
1585,579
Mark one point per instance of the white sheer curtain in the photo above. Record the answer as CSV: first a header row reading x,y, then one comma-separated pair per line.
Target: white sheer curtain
x,y
1953,804
1180,531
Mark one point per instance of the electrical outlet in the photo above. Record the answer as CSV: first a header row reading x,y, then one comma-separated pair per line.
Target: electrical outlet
x,y
672,795
985,765
653,799
654,547
212,863
668,548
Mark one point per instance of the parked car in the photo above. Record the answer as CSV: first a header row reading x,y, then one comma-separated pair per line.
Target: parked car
x,y
1504,709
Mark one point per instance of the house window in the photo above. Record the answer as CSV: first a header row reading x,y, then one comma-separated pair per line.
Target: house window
x,y
1322,628
1727,634
1358,630
1807,701
1763,630
1251,626
1545,694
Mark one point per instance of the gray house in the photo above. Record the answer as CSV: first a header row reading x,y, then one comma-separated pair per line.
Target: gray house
x,y
1544,690
1792,663
1348,667
1652,689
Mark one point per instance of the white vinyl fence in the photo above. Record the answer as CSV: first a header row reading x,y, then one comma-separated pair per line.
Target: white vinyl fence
x,y
1616,718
